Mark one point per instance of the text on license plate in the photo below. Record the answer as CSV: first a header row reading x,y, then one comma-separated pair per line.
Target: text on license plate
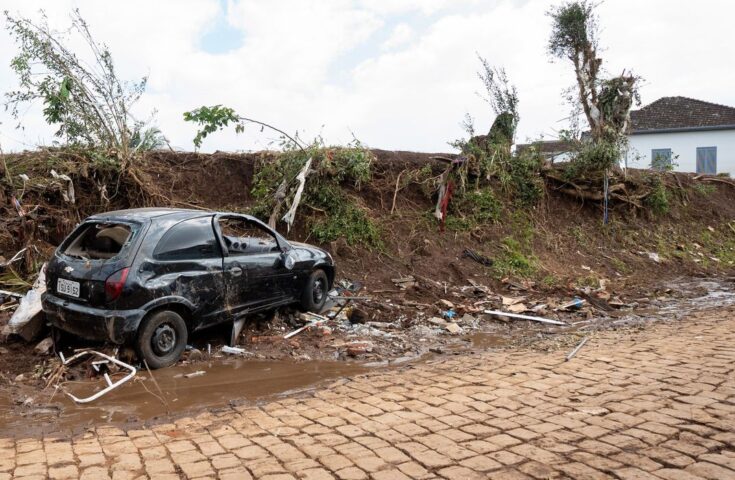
x,y
67,287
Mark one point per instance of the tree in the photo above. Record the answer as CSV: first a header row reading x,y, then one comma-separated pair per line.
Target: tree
x,y
502,96
87,100
217,117
606,102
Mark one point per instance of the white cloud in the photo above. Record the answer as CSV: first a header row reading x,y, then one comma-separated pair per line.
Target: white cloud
x,y
400,36
399,74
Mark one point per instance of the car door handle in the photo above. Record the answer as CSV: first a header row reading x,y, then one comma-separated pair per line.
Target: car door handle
x,y
236,271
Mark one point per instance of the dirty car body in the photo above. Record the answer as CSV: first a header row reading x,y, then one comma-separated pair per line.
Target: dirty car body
x,y
119,269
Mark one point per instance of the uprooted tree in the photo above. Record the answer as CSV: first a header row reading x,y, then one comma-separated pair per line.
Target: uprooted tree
x,y
486,156
606,102
82,95
593,173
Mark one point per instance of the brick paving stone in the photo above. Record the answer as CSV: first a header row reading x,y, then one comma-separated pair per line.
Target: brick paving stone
x,y
634,474
710,470
660,404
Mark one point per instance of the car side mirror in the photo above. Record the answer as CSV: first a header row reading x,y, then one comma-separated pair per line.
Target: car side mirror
x,y
288,259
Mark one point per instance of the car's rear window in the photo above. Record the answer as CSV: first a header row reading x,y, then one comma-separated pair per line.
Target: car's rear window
x,y
100,240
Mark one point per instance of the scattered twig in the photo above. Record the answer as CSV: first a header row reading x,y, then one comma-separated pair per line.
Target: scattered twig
x,y
577,348
155,382
395,192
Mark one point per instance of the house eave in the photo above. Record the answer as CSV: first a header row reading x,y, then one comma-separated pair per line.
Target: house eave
x,y
683,129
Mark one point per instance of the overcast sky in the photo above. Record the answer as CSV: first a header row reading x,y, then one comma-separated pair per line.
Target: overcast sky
x,y
398,74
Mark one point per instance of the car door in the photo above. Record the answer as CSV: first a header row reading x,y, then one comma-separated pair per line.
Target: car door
x,y
252,252
187,263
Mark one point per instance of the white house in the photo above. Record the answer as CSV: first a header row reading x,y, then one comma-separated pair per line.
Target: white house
x,y
691,135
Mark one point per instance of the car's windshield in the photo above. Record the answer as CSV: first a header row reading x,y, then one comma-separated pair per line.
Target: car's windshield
x,y
99,240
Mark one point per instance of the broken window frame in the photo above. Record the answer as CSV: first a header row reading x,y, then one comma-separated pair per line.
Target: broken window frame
x,y
250,222
78,235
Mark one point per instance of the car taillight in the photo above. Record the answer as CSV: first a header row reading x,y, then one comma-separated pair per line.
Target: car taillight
x,y
115,283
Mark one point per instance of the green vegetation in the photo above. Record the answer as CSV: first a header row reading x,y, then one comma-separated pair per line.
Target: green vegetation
x,y
658,199
514,260
704,189
338,214
87,101
473,209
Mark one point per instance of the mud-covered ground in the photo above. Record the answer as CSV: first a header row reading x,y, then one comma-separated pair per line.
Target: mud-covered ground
x,y
397,331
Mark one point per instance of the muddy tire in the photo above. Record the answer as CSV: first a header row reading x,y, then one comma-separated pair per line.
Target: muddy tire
x,y
161,339
315,292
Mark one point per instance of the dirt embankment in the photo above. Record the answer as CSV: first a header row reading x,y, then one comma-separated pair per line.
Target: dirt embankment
x,y
562,239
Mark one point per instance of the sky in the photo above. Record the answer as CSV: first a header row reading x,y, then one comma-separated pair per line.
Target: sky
x,y
394,74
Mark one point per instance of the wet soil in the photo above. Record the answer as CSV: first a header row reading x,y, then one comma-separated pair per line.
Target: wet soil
x,y
279,368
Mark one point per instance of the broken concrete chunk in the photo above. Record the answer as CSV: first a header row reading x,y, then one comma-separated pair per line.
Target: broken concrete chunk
x,y
359,348
453,328
507,301
467,318
405,282
437,321
447,304
44,346
517,308
233,350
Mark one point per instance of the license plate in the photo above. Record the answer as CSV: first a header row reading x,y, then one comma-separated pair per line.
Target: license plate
x,y
67,287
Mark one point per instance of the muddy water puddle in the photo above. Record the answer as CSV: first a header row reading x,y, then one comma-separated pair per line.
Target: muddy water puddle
x,y
223,381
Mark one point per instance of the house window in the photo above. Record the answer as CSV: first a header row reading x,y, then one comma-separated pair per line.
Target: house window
x,y
661,158
707,160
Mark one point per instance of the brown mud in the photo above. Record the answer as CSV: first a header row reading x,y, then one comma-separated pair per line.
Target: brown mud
x,y
224,381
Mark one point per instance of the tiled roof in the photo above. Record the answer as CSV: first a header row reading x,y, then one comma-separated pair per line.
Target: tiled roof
x,y
675,113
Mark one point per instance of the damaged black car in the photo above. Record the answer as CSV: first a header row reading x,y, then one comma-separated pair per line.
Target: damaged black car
x,y
150,277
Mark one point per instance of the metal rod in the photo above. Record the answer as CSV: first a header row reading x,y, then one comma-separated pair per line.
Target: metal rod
x,y
577,348
524,317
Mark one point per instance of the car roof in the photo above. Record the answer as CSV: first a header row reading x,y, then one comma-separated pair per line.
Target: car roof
x,y
149,213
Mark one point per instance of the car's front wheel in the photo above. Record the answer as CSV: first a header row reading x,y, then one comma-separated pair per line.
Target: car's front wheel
x,y
315,292
161,339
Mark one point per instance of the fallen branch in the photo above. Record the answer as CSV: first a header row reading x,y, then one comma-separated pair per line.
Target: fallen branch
x,y
301,177
717,180
395,192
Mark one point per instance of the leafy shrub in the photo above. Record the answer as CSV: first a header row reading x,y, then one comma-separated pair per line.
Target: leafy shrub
x,y
513,260
332,168
658,199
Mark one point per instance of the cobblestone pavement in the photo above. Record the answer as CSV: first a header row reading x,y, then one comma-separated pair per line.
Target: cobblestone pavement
x,y
656,403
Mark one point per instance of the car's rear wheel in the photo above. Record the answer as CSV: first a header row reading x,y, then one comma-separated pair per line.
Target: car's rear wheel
x,y
161,339
315,292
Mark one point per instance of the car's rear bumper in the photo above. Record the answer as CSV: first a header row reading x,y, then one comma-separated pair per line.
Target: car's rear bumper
x,y
117,326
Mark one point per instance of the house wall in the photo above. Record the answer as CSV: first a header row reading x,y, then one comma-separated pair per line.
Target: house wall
x,y
684,144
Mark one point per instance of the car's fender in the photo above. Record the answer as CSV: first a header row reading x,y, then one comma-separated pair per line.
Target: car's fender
x,y
168,300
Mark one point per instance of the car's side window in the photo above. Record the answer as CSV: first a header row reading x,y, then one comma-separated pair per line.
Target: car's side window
x,y
188,240
243,237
